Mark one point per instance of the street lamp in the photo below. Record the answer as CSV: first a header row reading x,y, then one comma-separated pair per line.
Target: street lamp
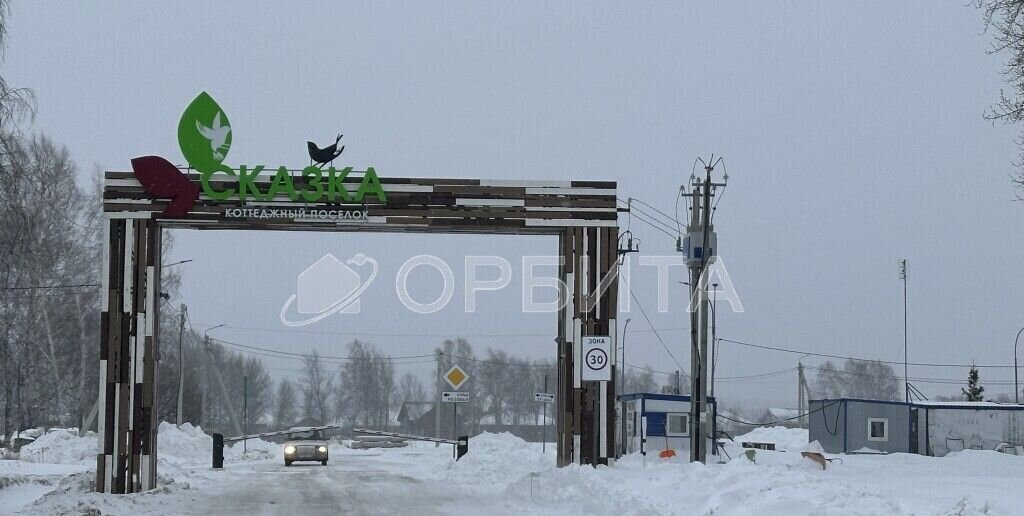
x,y
622,374
622,388
714,337
1016,388
211,328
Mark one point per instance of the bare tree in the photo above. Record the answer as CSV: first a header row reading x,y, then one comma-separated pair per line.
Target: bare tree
x,y
317,385
366,389
410,388
15,103
639,380
45,245
285,405
867,379
1005,20
260,391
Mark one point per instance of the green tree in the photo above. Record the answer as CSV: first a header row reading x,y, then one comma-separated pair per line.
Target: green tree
x,y
974,392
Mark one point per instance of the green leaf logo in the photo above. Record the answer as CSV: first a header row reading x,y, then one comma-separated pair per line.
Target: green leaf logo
x,y
204,134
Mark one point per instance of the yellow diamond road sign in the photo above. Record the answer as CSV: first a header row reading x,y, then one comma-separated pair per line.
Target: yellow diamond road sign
x,y
456,377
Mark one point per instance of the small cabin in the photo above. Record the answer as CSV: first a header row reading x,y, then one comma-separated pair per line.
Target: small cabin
x,y
847,425
653,422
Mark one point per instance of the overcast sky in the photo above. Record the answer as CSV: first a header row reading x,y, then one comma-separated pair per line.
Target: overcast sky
x,y
853,136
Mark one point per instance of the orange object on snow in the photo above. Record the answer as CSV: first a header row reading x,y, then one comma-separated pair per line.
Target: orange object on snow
x,y
665,454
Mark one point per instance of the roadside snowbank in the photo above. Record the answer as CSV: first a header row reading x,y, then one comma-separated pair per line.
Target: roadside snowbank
x,y
61,446
187,445
785,439
75,494
496,460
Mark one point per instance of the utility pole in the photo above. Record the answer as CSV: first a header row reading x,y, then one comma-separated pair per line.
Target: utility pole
x,y
204,409
544,420
1016,386
800,394
699,247
622,390
437,400
206,380
906,378
245,410
714,340
181,367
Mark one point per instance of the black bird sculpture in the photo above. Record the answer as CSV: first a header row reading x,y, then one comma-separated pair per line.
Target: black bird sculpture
x,y
326,155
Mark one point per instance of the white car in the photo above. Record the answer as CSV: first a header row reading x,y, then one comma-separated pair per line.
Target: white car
x,y
305,444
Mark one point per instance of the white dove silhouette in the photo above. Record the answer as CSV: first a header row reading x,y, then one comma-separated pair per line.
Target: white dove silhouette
x,y
218,135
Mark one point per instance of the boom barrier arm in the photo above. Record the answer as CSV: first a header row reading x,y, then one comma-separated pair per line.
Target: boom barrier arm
x,y
461,444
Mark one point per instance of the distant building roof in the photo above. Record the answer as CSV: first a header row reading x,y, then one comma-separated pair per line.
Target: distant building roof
x,y
414,409
968,404
933,404
781,413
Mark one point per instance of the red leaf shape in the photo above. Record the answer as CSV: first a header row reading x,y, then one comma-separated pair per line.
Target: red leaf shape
x,y
164,181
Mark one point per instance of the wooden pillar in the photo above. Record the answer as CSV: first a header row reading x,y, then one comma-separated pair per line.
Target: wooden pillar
x,y
127,416
586,415
608,309
565,407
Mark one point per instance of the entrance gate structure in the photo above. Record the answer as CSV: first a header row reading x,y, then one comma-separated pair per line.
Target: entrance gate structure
x,y
582,214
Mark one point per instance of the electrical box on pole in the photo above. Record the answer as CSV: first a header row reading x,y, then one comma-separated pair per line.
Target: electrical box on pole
x,y
699,246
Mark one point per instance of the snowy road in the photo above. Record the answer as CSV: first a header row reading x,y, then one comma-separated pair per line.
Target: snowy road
x,y
349,485
502,475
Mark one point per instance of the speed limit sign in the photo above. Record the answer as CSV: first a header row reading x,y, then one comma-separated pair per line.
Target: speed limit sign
x,y
597,352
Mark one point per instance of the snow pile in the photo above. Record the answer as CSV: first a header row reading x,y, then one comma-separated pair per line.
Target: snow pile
x,y
187,445
27,434
496,460
190,445
75,494
61,446
785,439
258,449
582,490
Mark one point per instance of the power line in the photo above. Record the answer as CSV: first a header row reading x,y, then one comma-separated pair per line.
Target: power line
x,y
50,287
667,233
651,324
678,225
420,334
946,381
324,357
648,214
755,376
499,362
773,423
827,355
385,334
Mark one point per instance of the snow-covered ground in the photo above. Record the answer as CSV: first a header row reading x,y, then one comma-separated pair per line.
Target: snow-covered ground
x,y
504,475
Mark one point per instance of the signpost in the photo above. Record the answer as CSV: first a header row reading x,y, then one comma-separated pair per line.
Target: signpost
x,y
456,377
544,398
454,397
596,351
